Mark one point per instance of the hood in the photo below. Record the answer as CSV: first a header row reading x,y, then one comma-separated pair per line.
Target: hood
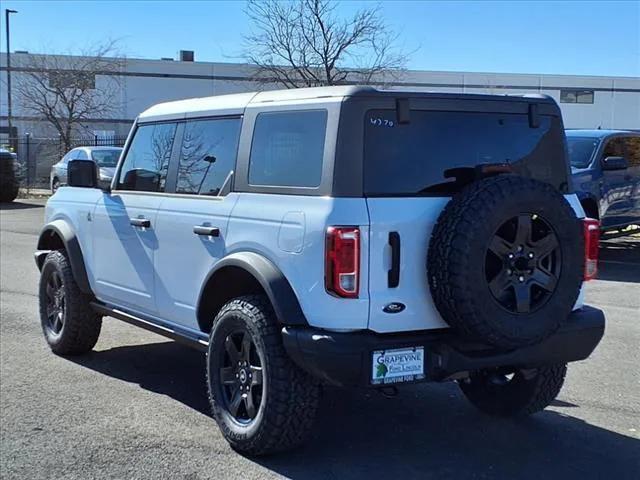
x,y
108,172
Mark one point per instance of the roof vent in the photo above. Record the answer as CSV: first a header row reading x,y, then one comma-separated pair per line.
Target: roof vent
x,y
166,59
186,55
21,51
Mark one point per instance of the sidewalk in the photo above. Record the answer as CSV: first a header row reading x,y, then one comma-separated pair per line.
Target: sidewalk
x,y
34,193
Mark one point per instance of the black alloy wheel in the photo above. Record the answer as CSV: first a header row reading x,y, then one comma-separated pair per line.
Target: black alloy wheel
x,y
55,302
506,261
262,402
241,376
523,263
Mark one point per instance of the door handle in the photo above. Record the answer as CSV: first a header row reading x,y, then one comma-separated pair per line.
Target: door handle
x,y
393,275
140,222
206,231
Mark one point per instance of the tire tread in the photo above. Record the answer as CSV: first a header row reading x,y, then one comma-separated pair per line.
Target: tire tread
x,y
82,324
294,395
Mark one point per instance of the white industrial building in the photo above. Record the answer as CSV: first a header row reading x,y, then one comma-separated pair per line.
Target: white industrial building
x,y
586,101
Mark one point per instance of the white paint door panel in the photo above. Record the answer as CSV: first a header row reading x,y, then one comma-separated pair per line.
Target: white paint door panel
x,y
413,219
123,254
185,258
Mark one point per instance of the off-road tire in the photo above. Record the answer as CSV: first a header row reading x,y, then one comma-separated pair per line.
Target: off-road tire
x,y
81,326
457,255
524,394
290,396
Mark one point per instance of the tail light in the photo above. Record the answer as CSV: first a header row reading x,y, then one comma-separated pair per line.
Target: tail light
x,y
342,262
591,243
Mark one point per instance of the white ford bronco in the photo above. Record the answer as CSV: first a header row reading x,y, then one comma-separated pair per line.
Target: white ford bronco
x,y
343,236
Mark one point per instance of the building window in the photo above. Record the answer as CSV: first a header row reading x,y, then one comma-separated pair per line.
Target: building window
x,y
576,96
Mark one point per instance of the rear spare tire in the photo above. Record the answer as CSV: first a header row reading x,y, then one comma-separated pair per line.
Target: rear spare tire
x,y
505,261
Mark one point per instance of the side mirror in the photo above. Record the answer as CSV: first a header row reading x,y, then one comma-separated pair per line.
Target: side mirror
x,y
141,179
614,163
82,173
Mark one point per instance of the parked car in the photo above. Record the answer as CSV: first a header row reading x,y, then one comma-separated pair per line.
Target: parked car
x,y
605,166
9,176
106,159
346,235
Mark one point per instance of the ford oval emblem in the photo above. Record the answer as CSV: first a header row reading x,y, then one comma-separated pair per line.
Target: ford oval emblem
x,y
394,307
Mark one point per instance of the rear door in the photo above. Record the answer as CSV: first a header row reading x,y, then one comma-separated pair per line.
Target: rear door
x,y
192,223
408,180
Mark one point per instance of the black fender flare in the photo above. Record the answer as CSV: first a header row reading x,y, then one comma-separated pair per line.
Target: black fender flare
x,y
271,279
46,243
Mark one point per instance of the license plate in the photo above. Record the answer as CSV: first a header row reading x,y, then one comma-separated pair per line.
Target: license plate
x,y
398,365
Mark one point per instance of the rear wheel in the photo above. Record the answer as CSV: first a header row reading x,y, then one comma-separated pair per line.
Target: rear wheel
x,y
509,392
69,324
262,402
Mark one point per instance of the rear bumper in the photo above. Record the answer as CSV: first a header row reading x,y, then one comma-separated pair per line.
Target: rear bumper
x,y
345,359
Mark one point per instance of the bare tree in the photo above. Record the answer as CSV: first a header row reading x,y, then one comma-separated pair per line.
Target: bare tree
x,y
302,43
65,90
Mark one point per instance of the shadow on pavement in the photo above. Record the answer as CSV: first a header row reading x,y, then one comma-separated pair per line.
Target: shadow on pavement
x,y
167,368
620,259
427,431
18,206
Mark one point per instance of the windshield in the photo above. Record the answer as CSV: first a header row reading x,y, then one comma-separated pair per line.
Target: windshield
x,y
106,158
581,150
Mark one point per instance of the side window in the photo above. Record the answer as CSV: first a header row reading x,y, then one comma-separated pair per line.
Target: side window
x,y
614,148
633,151
147,160
207,155
288,148
81,155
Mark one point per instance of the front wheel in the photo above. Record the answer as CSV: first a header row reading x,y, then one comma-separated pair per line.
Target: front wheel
x,y
507,391
69,324
262,402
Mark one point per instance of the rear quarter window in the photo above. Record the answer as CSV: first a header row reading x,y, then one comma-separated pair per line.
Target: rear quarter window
x,y
287,149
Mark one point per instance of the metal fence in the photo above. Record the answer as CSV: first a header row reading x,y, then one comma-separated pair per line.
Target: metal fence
x,y
37,155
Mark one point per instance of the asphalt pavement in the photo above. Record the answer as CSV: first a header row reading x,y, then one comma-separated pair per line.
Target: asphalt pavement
x,y
136,406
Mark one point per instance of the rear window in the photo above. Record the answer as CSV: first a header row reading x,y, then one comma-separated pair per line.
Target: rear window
x,y
414,158
288,148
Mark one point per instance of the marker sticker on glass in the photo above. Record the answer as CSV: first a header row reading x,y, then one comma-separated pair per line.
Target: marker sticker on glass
x,y
381,122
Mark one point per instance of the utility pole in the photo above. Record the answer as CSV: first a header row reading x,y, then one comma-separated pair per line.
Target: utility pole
x,y
7,12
